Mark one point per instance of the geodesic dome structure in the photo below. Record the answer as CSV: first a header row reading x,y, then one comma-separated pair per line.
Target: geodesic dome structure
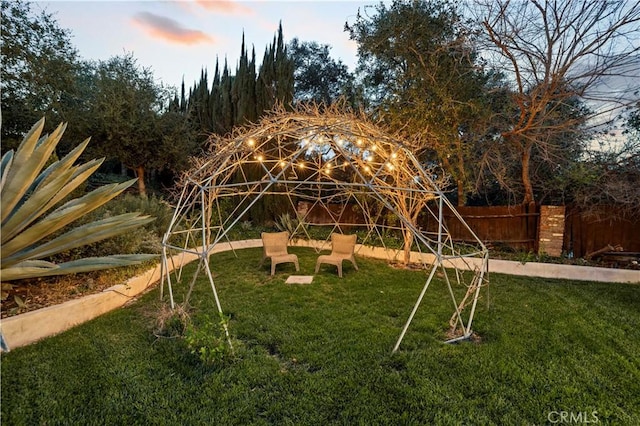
x,y
334,170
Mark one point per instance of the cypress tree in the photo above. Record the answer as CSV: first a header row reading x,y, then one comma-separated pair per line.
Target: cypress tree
x,y
227,108
284,68
183,99
265,94
215,102
245,97
239,89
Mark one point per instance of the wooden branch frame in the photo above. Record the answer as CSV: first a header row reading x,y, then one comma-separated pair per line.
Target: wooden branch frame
x,y
324,156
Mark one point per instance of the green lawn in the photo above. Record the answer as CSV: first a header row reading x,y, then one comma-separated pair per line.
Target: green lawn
x,y
321,354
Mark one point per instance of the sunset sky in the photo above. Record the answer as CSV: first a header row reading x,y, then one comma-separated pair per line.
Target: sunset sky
x,y
177,39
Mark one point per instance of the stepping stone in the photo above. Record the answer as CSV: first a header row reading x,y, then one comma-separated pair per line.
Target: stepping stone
x,y
299,279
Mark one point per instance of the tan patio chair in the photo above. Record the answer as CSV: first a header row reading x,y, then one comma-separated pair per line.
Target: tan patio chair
x,y
342,247
274,246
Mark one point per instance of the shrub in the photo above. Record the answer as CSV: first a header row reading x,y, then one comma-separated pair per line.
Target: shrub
x,y
145,239
208,339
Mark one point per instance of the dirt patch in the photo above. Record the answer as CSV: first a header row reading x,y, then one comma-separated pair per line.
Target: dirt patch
x,y
407,266
22,296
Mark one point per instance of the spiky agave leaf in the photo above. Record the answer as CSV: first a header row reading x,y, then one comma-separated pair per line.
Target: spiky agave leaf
x,y
7,160
43,198
40,268
28,160
63,216
27,194
82,235
63,164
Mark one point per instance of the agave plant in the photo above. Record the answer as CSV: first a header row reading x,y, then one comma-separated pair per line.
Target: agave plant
x,y
296,227
33,210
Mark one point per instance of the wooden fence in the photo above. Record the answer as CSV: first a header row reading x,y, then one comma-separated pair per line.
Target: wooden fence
x,y
501,227
587,232
518,227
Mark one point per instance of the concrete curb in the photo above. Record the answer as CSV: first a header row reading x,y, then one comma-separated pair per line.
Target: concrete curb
x,y
24,329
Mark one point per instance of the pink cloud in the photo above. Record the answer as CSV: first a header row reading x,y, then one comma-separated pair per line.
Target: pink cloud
x,y
169,29
228,7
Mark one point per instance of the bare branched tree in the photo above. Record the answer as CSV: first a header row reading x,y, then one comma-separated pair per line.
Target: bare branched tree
x,y
557,53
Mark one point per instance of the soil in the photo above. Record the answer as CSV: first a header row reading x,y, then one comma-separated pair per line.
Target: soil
x,y
28,295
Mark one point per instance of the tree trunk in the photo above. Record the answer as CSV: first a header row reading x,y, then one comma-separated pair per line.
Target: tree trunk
x,y
462,176
142,189
461,196
526,177
408,241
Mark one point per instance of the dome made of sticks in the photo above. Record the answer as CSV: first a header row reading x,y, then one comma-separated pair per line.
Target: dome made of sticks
x,y
319,162
326,168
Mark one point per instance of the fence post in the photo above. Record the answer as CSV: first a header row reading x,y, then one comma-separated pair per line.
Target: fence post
x,y
551,230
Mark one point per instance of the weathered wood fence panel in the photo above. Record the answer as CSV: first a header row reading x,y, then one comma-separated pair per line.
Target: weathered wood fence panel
x,y
512,227
586,232
516,227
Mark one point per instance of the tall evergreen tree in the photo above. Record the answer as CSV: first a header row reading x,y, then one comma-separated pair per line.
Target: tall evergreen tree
x,y
215,101
227,107
265,93
244,93
275,79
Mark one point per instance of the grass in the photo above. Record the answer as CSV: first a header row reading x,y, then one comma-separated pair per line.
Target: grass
x,y
321,354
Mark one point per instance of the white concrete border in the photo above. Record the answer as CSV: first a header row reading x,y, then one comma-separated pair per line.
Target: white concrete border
x,y
24,329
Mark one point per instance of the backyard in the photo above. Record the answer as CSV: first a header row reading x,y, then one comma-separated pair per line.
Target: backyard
x,y
321,354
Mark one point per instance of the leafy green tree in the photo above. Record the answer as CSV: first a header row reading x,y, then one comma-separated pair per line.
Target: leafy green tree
x,y
38,72
422,74
633,122
318,77
132,121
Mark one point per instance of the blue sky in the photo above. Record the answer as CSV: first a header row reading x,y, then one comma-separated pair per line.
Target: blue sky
x,y
177,39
